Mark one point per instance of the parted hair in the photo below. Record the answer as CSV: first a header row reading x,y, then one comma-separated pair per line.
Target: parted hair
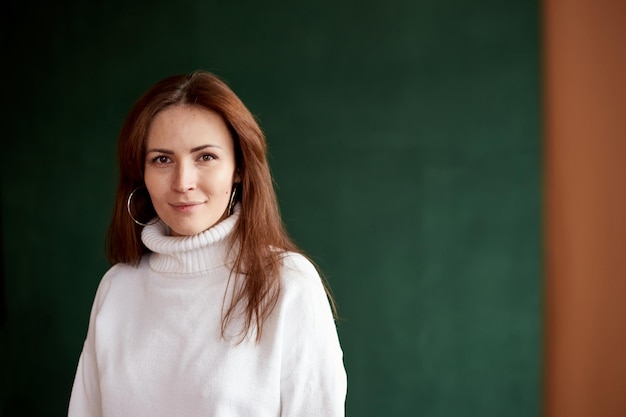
x,y
259,239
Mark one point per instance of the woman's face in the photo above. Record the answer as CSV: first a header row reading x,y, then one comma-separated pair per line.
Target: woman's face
x,y
190,168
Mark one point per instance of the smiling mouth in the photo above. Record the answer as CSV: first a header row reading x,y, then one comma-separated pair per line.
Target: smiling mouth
x,y
184,207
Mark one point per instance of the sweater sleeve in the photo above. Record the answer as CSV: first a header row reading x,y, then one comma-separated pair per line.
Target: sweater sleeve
x,y
313,381
85,399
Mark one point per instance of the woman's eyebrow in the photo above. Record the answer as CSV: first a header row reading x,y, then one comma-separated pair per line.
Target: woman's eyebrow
x,y
159,150
199,148
195,149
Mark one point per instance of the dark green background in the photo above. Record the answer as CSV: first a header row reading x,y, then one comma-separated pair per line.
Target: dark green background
x,y
405,143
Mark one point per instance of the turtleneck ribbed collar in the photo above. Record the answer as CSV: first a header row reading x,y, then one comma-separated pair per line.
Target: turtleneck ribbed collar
x,y
188,254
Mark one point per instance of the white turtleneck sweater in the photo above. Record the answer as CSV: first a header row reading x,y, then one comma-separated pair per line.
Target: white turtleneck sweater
x,y
154,346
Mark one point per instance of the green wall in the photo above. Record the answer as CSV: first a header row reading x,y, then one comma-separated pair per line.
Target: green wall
x,y
405,143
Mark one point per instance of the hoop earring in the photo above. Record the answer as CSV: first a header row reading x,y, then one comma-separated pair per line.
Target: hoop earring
x,y
231,204
130,212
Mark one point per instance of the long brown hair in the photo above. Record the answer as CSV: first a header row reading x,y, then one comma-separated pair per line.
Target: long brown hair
x,y
259,235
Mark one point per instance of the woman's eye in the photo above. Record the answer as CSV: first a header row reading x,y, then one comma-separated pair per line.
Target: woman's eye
x,y
207,157
161,159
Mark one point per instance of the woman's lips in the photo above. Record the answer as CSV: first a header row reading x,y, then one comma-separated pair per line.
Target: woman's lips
x,y
185,207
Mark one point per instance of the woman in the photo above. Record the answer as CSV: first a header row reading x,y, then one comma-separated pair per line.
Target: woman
x,y
208,309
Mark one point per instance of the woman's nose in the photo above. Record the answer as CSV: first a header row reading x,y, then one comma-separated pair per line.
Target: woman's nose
x,y
185,178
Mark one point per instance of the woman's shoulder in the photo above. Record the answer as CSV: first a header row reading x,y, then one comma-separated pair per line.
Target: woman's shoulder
x,y
120,278
303,293
120,274
299,275
121,270
297,263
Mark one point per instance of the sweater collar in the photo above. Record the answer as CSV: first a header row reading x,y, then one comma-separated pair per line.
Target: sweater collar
x,y
188,254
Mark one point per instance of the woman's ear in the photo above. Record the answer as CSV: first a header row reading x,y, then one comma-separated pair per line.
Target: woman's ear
x,y
236,176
